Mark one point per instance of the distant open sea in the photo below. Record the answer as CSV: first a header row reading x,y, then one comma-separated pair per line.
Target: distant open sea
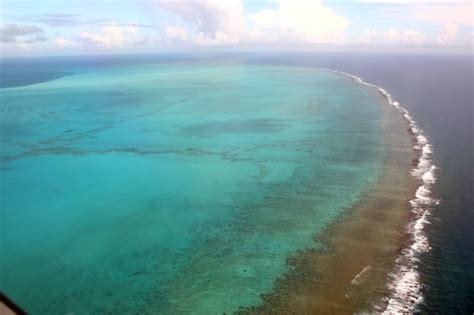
x,y
162,183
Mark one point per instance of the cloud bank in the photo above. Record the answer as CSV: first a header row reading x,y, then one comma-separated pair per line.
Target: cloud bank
x,y
271,24
13,33
301,22
225,22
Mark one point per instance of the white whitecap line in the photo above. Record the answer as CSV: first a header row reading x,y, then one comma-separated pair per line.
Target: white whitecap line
x,y
405,286
357,279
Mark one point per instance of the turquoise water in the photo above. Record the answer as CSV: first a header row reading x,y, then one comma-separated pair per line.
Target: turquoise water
x,y
174,188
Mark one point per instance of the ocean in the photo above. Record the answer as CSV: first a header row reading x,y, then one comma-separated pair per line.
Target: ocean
x,y
175,183
438,91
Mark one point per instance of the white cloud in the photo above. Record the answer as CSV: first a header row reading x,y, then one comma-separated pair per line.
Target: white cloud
x,y
411,37
408,37
220,38
131,28
213,22
176,32
115,34
110,36
66,43
453,16
13,33
409,1
392,36
216,21
96,39
459,12
368,37
142,41
448,34
299,21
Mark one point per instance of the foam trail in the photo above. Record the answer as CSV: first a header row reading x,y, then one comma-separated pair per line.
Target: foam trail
x,y
405,286
357,279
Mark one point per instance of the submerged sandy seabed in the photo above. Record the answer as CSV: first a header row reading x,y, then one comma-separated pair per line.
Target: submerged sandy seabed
x,y
352,273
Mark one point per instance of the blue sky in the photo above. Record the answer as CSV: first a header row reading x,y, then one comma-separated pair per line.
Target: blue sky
x,y
123,26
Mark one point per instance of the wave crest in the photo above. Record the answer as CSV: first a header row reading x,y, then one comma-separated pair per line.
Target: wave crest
x,y
405,286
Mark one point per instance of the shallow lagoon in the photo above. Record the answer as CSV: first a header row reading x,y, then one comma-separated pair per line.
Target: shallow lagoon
x,y
175,187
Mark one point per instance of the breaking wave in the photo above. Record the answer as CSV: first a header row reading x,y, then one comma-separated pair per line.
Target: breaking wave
x,y
405,286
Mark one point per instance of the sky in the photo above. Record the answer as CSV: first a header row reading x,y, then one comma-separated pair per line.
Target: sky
x,y
64,27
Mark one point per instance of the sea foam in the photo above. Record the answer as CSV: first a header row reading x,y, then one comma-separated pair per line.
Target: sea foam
x,y
405,286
